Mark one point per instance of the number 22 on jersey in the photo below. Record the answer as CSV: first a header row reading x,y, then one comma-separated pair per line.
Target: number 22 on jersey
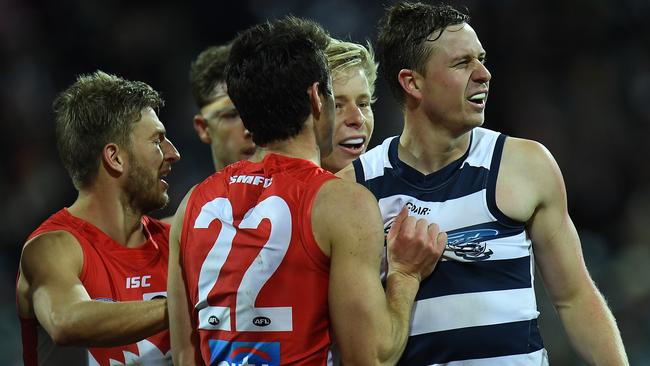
x,y
247,316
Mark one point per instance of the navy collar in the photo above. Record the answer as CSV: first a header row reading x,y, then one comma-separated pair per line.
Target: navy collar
x,y
430,181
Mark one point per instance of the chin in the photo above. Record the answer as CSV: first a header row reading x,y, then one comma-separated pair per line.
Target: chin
x,y
157,204
475,121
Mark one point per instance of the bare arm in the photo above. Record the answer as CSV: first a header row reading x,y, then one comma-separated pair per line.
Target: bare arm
x,y
371,326
51,264
587,320
180,325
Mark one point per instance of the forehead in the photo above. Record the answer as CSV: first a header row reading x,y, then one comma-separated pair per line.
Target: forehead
x,y
219,104
351,77
456,41
148,123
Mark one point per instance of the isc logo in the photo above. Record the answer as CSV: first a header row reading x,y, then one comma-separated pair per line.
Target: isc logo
x,y
138,281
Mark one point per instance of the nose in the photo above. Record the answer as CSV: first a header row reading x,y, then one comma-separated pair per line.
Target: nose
x,y
171,154
247,133
481,74
354,117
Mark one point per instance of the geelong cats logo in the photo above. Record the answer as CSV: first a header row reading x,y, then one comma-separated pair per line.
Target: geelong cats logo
x,y
470,245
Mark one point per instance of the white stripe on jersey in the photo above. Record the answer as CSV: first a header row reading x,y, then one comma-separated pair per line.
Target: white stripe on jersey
x,y
535,358
442,313
373,170
449,215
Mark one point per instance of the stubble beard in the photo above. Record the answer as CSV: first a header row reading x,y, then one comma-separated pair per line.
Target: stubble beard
x,y
143,189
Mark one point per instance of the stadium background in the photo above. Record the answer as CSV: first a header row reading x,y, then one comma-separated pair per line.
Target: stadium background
x,y
573,75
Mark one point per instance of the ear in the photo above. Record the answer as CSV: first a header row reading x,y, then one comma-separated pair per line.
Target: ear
x,y
314,99
410,82
201,128
113,159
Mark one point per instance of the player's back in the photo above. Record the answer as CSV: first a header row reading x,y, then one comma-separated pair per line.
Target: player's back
x,y
256,278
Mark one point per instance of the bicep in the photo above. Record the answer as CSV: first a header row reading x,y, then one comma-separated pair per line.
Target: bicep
x,y
558,253
51,263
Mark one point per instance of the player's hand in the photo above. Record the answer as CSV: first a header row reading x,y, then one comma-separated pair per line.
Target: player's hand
x,y
414,246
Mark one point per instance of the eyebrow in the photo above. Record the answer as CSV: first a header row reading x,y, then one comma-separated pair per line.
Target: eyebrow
x,y
217,112
159,131
344,96
469,56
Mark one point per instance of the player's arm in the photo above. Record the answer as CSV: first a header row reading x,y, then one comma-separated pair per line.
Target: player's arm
x,y
51,264
589,323
180,325
371,326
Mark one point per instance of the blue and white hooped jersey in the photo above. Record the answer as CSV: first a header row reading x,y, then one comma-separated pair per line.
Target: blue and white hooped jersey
x,y
478,307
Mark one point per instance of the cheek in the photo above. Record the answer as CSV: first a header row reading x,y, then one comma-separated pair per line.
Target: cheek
x,y
370,122
222,133
338,122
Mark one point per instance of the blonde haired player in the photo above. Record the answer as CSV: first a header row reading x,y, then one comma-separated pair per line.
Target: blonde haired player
x,y
354,72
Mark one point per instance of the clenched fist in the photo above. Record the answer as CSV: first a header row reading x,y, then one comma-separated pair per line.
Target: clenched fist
x,y
414,246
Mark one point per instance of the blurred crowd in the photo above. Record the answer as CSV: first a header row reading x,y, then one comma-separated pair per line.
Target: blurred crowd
x,y
573,75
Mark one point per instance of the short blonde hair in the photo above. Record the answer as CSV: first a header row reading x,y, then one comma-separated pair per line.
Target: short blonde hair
x,y
342,55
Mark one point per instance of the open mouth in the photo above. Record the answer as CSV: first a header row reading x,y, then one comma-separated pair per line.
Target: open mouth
x,y
353,145
478,99
163,175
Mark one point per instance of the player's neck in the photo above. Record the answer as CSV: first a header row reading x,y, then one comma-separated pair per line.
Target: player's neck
x,y
302,146
110,214
428,148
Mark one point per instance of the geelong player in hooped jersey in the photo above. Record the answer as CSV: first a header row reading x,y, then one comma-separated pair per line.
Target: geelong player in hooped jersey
x,y
92,278
269,256
500,199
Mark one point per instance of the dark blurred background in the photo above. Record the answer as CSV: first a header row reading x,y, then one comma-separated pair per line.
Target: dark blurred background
x,y
574,75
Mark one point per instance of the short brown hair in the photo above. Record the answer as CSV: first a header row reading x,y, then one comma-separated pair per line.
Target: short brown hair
x,y
404,38
97,109
208,71
271,65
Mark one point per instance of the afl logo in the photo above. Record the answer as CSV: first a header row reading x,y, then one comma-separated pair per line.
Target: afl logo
x,y
261,321
213,320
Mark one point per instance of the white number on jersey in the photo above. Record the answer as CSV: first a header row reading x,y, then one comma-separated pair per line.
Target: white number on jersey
x,y
249,317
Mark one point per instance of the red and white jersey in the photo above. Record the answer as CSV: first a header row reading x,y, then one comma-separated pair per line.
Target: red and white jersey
x,y
256,279
110,272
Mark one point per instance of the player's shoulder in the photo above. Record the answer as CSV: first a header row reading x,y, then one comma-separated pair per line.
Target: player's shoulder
x,y
526,153
60,244
51,239
339,195
528,167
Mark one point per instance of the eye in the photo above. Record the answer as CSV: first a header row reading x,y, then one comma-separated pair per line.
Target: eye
x,y
363,104
230,114
159,139
338,106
